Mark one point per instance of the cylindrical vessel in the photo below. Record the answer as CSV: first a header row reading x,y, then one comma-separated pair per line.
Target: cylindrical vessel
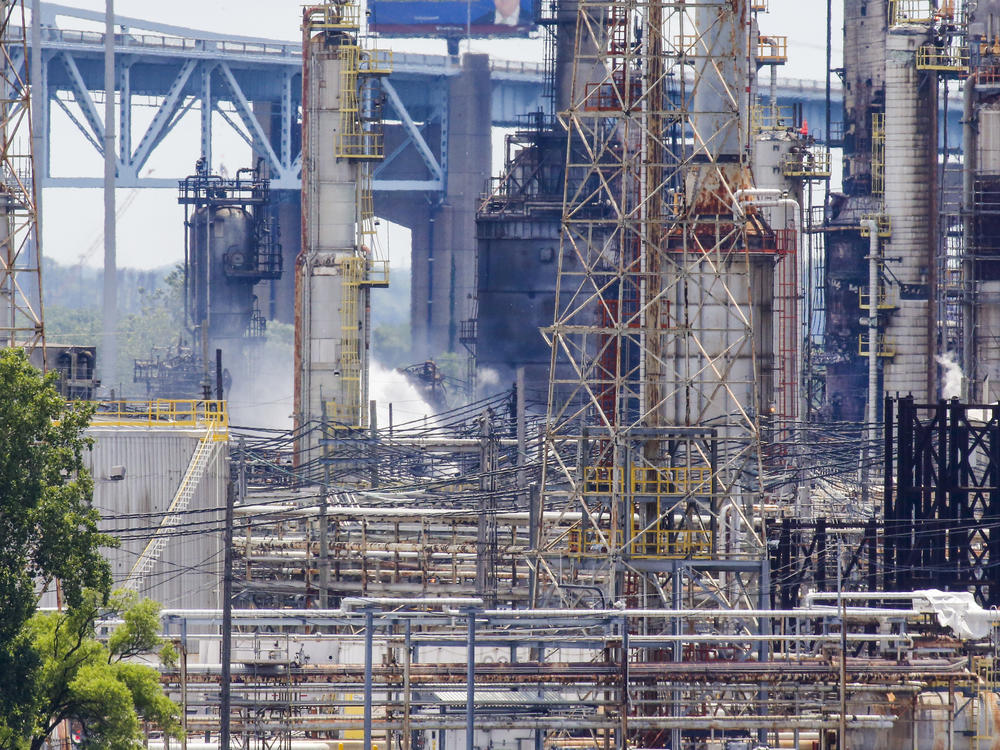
x,y
222,253
910,165
720,81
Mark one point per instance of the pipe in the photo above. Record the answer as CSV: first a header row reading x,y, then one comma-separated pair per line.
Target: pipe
x,y
969,358
369,636
292,745
348,511
873,294
209,616
349,603
109,336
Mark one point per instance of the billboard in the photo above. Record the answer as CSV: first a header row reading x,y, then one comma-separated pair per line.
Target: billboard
x,y
452,18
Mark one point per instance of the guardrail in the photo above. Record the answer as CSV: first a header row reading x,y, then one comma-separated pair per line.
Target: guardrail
x,y
168,413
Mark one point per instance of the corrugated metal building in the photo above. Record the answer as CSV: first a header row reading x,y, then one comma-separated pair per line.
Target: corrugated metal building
x,y
137,471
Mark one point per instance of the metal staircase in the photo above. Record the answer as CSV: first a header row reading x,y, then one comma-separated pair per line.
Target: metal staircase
x,y
203,453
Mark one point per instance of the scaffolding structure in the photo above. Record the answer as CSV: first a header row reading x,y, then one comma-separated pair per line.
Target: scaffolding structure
x,y
662,343
20,256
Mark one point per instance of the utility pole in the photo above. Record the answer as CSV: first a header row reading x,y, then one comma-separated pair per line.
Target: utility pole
x,y
227,608
109,341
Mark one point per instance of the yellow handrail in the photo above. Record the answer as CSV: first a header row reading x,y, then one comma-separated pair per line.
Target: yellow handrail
x,y
167,413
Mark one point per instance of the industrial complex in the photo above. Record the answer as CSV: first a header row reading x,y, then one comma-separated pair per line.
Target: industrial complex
x,y
711,456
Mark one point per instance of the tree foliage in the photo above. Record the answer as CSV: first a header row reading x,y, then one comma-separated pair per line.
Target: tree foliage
x,y
47,525
94,683
157,322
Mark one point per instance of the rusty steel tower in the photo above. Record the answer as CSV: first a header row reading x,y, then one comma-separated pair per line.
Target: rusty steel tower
x,y
20,255
662,345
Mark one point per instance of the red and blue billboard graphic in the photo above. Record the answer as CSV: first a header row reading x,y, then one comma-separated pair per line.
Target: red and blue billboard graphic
x,y
452,18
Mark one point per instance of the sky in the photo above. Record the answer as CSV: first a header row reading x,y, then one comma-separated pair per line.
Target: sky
x,y
150,232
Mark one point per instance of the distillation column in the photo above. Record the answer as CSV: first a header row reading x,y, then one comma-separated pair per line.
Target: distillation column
x,y
910,179
334,269
846,272
981,199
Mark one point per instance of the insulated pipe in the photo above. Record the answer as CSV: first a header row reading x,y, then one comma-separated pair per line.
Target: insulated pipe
x,y
350,511
968,188
349,603
210,616
873,287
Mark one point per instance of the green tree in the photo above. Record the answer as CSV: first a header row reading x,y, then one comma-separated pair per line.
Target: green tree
x,y
48,529
94,683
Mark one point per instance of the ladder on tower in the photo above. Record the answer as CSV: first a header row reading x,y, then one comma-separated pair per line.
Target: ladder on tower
x,y
203,453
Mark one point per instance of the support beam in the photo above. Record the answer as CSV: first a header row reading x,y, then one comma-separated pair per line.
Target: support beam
x,y
250,121
164,117
415,136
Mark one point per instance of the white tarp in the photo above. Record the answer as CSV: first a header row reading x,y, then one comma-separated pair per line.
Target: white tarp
x,y
956,610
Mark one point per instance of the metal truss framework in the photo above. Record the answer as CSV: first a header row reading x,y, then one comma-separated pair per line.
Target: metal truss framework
x,y
20,272
179,70
941,511
254,86
566,678
660,344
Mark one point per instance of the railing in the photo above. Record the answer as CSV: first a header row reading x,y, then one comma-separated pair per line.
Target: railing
x,y
883,224
884,346
168,413
672,543
598,480
887,300
878,153
772,50
951,59
767,117
911,11
807,163
674,481
644,544
378,274
335,16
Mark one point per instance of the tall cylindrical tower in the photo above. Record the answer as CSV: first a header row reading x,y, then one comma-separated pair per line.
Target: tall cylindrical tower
x,y
910,205
334,271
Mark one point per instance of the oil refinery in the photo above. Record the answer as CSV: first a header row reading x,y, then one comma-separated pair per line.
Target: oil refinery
x,y
712,453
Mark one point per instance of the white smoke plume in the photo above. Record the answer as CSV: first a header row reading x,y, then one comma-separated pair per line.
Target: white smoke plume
x,y
488,377
951,386
388,386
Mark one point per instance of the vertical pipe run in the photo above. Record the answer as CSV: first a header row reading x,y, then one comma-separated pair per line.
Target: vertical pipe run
x,y
968,185
109,355
38,108
227,610
873,348
369,636
407,656
522,449
470,684
184,697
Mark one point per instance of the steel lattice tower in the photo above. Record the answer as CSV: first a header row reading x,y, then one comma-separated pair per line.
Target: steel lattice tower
x,y
662,340
20,256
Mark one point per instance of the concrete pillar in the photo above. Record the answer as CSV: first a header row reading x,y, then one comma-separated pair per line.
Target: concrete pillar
x,y
277,297
910,170
444,258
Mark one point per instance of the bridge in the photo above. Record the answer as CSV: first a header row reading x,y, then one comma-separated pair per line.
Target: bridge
x,y
440,112
254,85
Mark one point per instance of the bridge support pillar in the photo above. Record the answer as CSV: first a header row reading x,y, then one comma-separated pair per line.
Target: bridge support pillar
x,y
444,246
